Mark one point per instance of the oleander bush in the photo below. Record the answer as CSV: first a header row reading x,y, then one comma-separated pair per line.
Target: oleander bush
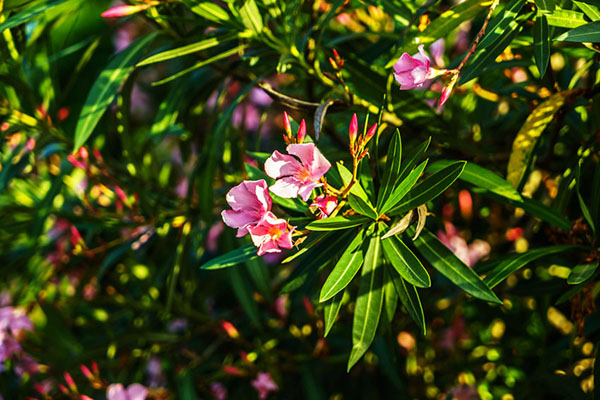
x,y
299,199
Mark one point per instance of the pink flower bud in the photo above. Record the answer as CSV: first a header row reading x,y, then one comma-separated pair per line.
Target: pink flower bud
x,y
286,125
301,132
86,372
63,113
230,329
352,132
70,381
335,54
370,133
125,10
448,90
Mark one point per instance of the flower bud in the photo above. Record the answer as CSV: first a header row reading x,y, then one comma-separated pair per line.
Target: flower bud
x,y
286,125
125,10
370,133
301,132
448,90
352,132
86,372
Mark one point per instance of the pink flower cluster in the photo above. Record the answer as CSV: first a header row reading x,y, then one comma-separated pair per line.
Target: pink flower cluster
x,y
117,391
12,322
297,173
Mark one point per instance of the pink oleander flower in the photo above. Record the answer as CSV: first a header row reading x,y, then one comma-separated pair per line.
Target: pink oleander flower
x,y
468,253
117,391
296,176
264,385
413,71
219,391
325,205
250,202
271,234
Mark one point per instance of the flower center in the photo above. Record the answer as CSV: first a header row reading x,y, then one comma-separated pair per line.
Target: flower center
x,y
275,232
304,175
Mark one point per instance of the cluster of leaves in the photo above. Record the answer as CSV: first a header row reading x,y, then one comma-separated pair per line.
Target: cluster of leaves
x,y
117,157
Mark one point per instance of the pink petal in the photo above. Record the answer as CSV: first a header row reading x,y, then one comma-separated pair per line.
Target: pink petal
x,y
116,391
285,241
307,188
238,219
286,187
311,158
405,79
279,165
406,63
244,195
269,246
422,57
137,392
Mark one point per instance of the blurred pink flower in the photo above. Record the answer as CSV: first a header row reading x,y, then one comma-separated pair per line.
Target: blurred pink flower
x,y
117,391
156,377
270,234
260,97
325,205
213,236
413,71
14,320
454,334
26,365
437,51
177,325
469,254
219,391
264,385
464,392
297,177
281,306
250,202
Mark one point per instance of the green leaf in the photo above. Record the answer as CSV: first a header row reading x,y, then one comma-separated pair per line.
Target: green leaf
x,y
408,166
403,188
584,33
232,258
336,223
595,197
245,294
28,13
582,273
545,5
106,86
541,43
442,259
345,269
584,209
592,11
168,111
566,18
392,169
390,295
189,49
517,261
210,11
528,135
362,207
410,298
443,25
501,22
405,262
430,188
356,189
332,309
368,303
480,177
486,56
251,17
259,273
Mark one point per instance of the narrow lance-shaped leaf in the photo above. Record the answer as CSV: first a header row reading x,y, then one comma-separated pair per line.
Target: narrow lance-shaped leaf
x,y
368,303
362,207
336,223
581,273
251,17
403,188
584,209
331,310
390,296
28,13
409,297
430,188
592,11
584,33
356,189
405,262
409,164
345,269
501,22
517,261
106,86
480,177
443,260
541,43
566,18
392,169
232,258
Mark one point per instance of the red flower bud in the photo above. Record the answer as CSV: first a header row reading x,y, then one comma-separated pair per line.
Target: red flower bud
x,y
86,372
335,54
286,125
301,132
370,133
125,10
352,132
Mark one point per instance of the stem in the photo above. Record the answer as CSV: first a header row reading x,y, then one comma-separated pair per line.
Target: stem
x,y
478,37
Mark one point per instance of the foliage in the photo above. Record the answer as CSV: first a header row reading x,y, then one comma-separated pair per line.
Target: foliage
x,y
416,270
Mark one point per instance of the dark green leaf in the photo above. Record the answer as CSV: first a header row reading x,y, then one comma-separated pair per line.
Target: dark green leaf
x,y
410,298
356,189
332,309
232,258
545,5
500,23
585,33
541,43
517,261
408,165
361,207
442,259
405,262
336,223
403,188
392,169
368,303
592,11
345,268
582,273
28,14
584,209
429,188
106,86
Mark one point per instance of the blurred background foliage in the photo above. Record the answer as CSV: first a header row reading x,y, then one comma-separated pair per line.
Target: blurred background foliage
x,y
121,137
